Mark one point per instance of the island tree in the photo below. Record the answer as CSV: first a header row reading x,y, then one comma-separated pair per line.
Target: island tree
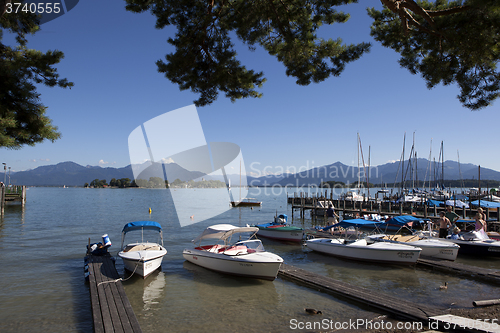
x,y
22,116
444,41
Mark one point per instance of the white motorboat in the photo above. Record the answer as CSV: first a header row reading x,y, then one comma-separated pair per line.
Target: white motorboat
x,y
434,248
240,257
475,243
142,258
382,252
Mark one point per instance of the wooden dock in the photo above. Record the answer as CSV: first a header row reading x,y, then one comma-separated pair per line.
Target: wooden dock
x,y
398,307
458,268
111,309
303,202
11,195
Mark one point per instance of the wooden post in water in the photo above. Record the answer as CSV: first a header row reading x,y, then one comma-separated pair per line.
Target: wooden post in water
x,y
23,198
2,200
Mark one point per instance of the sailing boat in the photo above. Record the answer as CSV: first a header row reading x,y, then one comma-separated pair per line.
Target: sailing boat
x,y
248,201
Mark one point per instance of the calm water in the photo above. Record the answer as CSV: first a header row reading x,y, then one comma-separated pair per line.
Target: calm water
x,y
43,290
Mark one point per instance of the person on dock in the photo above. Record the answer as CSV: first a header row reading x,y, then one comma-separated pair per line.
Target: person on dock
x,y
444,225
480,220
332,216
452,216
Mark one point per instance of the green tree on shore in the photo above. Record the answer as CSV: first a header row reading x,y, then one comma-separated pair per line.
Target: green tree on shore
x,y
22,116
444,41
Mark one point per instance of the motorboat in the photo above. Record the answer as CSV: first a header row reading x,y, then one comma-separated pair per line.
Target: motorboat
x,y
247,202
382,252
142,257
434,247
475,243
280,229
228,252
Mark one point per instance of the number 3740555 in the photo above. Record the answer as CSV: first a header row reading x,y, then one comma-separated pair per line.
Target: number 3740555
x,y
34,8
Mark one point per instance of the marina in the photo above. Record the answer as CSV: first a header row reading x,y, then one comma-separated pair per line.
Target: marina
x,y
48,283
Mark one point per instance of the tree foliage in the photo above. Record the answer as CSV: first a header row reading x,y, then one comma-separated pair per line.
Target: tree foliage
x,y
205,59
22,116
445,41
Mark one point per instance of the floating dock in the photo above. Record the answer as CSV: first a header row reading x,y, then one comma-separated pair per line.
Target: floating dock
x,y
111,309
388,304
458,268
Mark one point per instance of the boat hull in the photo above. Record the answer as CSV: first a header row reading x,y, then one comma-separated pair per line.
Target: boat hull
x,y
142,263
262,265
377,252
246,203
489,248
436,250
290,234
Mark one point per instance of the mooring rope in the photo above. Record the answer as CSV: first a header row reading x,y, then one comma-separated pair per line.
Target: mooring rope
x,y
122,279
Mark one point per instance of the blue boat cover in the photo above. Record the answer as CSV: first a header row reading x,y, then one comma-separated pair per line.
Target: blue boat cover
x,y
432,203
146,225
486,204
401,220
358,223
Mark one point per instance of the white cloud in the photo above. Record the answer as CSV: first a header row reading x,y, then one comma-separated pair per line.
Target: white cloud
x,y
102,162
40,160
167,160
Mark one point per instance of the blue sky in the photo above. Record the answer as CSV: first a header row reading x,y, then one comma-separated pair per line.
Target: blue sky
x,y
110,55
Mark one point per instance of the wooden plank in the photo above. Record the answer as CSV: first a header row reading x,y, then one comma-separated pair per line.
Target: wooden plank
x,y
94,300
111,309
101,292
455,267
108,284
120,300
386,303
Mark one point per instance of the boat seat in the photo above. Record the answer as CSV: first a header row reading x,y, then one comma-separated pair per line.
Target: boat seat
x,y
235,250
142,247
401,238
359,242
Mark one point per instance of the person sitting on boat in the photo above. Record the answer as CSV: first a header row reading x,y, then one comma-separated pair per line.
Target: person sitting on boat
x,y
480,220
444,224
456,233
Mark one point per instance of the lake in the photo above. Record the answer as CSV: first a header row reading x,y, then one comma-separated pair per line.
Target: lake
x,y
43,289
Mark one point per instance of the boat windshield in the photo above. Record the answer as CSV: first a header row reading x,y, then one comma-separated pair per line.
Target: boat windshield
x,y
253,245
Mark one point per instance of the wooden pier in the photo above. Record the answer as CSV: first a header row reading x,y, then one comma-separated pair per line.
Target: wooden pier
x,y
400,308
11,195
486,274
317,206
111,309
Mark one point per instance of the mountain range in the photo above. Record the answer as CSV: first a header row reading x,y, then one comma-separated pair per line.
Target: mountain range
x,y
73,174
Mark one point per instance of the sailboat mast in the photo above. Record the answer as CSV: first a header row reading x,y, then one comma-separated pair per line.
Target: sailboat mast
x,y
403,164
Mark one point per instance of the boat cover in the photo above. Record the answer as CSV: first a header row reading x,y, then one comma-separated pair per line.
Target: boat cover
x,y
357,223
402,220
432,203
223,231
146,225
456,203
486,204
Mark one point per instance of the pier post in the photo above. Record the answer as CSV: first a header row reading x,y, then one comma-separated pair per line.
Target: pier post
x,y
2,199
23,196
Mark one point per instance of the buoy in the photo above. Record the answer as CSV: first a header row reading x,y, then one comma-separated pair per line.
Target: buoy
x,y
149,210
